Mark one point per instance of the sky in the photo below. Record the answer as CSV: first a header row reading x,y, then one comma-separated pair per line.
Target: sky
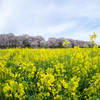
x,y
71,19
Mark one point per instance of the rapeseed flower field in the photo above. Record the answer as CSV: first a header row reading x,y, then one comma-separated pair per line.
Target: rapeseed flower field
x,y
50,74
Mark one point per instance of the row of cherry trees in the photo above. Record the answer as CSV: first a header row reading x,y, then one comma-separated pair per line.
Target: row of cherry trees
x,y
10,40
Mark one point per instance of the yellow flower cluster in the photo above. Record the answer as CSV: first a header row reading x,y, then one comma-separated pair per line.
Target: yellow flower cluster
x,y
12,88
65,43
92,38
50,74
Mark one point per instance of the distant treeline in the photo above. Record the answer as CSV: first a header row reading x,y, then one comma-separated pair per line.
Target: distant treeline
x,y
10,40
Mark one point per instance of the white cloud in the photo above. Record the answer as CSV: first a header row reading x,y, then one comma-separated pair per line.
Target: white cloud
x,y
50,30
72,19
6,9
